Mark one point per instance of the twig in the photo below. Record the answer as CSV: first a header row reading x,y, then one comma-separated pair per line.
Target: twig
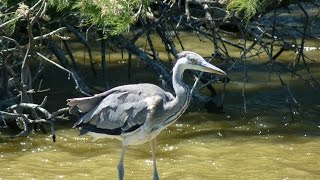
x,y
25,121
55,114
297,105
31,106
54,63
103,60
70,54
44,101
38,38
129,67
177,35
74,77
21,15
84,41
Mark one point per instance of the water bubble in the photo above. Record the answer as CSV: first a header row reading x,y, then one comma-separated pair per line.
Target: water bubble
x,y
169,148
311,48
149,162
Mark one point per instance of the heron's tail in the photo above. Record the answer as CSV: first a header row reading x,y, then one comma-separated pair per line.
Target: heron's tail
x,y
82,105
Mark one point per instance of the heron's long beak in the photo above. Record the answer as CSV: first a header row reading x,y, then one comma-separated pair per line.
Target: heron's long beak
x,y
207,67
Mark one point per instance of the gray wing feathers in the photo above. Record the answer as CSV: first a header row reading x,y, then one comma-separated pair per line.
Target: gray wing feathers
x,y
84,104
122,107
119,110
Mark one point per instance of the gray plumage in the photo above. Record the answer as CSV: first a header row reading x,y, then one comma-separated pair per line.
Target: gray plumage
x,y
121,108
137,113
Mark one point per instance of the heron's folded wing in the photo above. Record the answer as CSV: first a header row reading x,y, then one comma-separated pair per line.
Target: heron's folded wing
x,y
126,108
121,110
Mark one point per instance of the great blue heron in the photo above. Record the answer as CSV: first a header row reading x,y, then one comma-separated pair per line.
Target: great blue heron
x,y
137,113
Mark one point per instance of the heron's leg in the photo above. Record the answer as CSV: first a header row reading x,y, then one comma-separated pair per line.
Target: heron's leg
x,y
153,150
120,165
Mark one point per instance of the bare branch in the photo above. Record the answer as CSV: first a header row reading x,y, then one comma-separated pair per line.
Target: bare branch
x,y
49,34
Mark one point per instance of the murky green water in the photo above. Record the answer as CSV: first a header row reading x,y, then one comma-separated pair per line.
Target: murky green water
x,y
263,143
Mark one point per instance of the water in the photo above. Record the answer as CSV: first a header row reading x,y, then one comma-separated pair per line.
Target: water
x,y
264,143
198,146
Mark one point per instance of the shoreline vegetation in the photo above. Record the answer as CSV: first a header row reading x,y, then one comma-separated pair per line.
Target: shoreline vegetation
x,y
40,33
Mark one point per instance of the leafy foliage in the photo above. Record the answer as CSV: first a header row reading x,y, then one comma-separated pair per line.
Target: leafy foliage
x,y
251,8
60,5
114,16
3,3
7,14
248,7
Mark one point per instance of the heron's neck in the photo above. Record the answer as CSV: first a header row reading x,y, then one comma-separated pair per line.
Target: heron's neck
x,y
176,107
180,88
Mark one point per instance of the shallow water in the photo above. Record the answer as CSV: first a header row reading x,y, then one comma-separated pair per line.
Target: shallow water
x,y
264,143
198,146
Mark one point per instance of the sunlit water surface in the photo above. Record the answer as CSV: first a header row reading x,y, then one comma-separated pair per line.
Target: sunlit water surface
x,y
263,143
198,146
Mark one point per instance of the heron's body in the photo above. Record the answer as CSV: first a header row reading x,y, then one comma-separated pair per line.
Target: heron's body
x,y
137,113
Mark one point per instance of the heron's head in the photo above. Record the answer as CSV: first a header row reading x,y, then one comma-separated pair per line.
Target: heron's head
x,y
192,60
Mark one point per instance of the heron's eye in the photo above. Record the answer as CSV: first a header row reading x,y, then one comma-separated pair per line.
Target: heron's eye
x,y
193,61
